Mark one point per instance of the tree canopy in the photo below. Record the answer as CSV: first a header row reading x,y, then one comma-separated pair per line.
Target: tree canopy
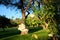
x,y
45,10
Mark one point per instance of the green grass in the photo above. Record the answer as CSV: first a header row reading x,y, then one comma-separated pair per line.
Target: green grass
x,y
13,31
42,35
8,32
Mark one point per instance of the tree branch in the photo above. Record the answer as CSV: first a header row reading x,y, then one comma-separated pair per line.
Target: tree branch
x,y
28,6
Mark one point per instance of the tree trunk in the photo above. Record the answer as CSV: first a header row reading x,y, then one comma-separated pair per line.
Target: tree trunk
x,y
23,13
23,16
44,28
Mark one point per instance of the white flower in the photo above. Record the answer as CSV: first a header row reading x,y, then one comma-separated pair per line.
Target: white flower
x,y
50,35
21,27
25,30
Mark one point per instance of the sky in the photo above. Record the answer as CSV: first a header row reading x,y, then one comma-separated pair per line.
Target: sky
x,y
10,11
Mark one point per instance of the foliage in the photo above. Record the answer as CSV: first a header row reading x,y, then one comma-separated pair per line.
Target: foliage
x,y
46,16
4,21
53,29
13,23
32,21
18,21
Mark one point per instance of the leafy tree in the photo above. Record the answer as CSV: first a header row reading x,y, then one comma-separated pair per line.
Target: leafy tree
x,y
20,4
46,15
32,21
4,22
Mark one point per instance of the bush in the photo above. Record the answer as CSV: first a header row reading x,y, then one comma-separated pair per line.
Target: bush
x,y
32,21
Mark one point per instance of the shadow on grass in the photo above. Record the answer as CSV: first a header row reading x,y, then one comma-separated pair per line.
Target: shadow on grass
x,y
34,29
42,35
9,32
13,31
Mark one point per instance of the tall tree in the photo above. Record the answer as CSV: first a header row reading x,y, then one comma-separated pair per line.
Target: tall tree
x,y
20,4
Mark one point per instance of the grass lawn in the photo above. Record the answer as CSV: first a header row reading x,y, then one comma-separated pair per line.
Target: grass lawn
x,y
8,32
14,35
